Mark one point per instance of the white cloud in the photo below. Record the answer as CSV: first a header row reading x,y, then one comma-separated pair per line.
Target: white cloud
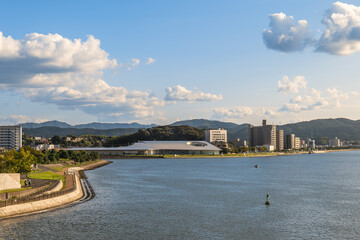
x,y
337,95
180,93
232,112
291,86
315,100
269,112
150,60
342,33
68,73
354,93
9,47
15,119
135,62
285,35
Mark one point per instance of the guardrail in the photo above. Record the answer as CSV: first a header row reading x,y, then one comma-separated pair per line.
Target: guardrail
x,y
15,200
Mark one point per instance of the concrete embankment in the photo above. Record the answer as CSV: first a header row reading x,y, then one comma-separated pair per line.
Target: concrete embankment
x,y
95,165
41,205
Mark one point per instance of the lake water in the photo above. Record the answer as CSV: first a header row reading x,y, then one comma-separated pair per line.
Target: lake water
x,y
313,196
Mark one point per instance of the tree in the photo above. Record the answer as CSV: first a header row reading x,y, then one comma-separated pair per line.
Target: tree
x,y
63,154
56,139
17,162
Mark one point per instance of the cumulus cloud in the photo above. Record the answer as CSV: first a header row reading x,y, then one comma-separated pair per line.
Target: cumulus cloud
x,y
337,95
53,69
342,33
180,93
285,35
354,93
291,86
150,60
269,112
15,119
316,100
232,112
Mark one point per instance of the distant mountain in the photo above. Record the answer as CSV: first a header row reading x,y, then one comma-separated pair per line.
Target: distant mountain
x,y
97,125
325,128
234,130
206,124
320,129
94,125
63,132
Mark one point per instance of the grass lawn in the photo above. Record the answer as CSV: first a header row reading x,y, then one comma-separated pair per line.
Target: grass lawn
x,y
46,175
82,164
58,169
14,190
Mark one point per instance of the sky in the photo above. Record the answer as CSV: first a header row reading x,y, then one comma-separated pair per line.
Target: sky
x,y
165,61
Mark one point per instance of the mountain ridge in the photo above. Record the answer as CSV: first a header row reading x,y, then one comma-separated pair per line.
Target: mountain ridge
x,y
318,128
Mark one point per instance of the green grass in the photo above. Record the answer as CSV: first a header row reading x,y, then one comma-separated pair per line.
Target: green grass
x,y
82,164
58,169
46,175
14,190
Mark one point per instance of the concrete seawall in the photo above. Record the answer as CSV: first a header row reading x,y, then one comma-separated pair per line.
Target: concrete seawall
x,y
43,204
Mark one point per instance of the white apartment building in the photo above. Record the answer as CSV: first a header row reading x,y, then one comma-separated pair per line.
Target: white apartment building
x,y
219,135
335,142
11,137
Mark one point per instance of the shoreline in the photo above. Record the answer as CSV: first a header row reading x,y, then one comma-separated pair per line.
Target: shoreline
x,y
247,155
51,204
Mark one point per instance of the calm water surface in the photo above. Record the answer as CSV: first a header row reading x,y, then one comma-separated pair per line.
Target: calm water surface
x,y
313,196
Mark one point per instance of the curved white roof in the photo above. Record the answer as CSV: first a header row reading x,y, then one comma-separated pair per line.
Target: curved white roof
x,y
159,145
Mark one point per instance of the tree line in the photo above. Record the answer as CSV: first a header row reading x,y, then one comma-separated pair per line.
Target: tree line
x,y
161,133
12,161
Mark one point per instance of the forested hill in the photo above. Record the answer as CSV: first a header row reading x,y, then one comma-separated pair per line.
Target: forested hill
x,y
325,128
63,132
162,133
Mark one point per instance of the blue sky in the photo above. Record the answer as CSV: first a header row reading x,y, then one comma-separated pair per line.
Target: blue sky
x,y
163,61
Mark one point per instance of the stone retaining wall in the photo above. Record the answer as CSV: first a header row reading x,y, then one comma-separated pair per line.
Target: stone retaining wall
x,y
43,204
22,193
9,181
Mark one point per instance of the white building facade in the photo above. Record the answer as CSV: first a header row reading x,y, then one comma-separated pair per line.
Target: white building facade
x,y
219,135
11,137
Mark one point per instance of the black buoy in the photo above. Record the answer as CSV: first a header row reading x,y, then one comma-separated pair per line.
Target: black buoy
x,y
267,199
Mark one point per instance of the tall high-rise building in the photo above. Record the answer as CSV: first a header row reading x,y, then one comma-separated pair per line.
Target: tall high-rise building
x,y
279,140
297,143
290,141
11,137
262,135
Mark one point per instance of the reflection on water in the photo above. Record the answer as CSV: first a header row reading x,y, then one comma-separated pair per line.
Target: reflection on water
x,y
313,197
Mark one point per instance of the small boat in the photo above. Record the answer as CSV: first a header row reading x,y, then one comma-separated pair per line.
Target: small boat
x,y
256,166
267,203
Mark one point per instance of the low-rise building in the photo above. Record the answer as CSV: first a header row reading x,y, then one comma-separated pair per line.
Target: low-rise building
x,y
157,148
218,135
46,147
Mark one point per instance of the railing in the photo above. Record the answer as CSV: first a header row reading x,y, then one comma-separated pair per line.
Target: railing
x,y
15,201
33,189
38,185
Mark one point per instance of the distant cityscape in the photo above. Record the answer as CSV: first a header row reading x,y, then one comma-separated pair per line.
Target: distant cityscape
x,y
265,138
